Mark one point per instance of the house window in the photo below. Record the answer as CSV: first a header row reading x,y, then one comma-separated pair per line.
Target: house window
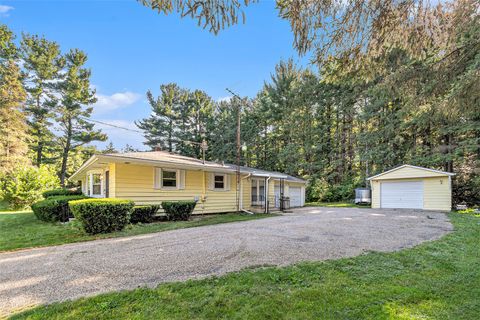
x,y
219,182
169,178
96,184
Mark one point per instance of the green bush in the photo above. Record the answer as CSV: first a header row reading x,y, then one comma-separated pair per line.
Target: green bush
x,y
61,192
178,210
25,185
321,190
144,214
54,208
102,215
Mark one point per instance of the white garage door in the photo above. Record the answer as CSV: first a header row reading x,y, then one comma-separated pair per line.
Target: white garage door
x,y
402,195
295,196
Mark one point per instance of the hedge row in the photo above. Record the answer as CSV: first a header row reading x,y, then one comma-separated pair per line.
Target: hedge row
x,y
54,208
62,192
178,210
102,215
144,214
106,215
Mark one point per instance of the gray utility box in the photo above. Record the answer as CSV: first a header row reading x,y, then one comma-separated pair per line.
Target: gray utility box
x,y
363,195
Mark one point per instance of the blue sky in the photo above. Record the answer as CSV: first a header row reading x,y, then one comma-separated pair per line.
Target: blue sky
x,y
132,49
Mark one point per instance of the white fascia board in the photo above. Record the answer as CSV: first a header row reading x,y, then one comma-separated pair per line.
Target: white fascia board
x,y
169,164
87,163
410,166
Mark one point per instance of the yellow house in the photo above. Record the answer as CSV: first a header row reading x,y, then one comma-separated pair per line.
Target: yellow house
x,y
156,176
412,187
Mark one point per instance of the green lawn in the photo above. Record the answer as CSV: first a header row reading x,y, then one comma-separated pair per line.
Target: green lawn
x,y
336,204
19,230
435,280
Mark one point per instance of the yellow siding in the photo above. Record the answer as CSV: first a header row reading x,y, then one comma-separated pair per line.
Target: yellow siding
x,y
375,186
437,193
247,193
408,172
112,184
136,182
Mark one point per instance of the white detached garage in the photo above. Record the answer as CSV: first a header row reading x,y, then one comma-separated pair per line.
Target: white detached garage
x,y
412,187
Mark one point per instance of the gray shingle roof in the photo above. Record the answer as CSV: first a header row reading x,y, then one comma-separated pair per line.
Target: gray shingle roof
x,y
164,156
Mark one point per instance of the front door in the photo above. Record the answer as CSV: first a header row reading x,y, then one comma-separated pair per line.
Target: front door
x,y
258,192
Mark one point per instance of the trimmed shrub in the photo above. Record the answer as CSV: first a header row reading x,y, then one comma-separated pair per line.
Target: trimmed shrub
x,y
24,186
54,209
178,210
61,192
102,215
144,214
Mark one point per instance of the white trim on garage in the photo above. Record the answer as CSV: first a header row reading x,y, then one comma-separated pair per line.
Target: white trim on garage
x,y
410,166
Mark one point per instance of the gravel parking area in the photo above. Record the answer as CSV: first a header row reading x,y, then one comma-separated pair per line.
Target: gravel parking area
x,y
45,275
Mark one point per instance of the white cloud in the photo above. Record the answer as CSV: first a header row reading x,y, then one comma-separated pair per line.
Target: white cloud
x,y
120,137
4,10
224,99
107,103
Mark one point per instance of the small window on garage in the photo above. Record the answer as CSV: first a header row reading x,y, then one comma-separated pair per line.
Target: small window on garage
x,y
219,181
169,178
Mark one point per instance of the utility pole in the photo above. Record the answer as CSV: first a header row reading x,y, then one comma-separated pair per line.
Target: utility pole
x,y
238,148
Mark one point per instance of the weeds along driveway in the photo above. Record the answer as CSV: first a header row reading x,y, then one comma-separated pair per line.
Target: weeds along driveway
x,y
45,275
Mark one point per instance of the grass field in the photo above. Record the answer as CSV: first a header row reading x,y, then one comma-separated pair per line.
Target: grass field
x,y
336,204
20,230
435,280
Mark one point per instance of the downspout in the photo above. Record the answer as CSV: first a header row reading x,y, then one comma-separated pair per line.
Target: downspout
x,y
241,195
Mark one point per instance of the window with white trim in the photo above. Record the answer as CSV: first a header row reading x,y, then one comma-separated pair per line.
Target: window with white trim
x,y
96,184
169,178
219,181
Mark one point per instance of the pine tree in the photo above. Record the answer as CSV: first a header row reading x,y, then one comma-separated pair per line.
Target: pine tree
x,y
72,111
109,148
43,63
160,126
13,135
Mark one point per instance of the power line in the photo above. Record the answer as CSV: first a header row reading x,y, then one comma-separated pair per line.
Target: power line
x,y
112,125
202,145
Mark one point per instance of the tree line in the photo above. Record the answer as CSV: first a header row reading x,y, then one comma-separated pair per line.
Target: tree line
x,y
397,82
46,99
336,128
406,92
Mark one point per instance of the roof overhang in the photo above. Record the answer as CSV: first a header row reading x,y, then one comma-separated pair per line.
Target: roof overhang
x,y
84,167
410,166
169,164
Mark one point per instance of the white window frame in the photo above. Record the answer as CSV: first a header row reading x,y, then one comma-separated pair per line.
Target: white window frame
x,y
176,179
90,184
224,176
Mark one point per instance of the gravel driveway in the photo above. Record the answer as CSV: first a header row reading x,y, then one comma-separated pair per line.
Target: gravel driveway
x,y
45,275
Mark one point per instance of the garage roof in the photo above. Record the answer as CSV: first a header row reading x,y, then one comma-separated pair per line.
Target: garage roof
x,y
417,172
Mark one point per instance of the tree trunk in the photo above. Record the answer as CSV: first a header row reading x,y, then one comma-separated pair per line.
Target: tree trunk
x,y
66,150
40,142
39,159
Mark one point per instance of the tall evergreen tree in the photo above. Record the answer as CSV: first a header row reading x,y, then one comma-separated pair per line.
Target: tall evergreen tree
x,y
13,129
166,109
72,111
42,62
